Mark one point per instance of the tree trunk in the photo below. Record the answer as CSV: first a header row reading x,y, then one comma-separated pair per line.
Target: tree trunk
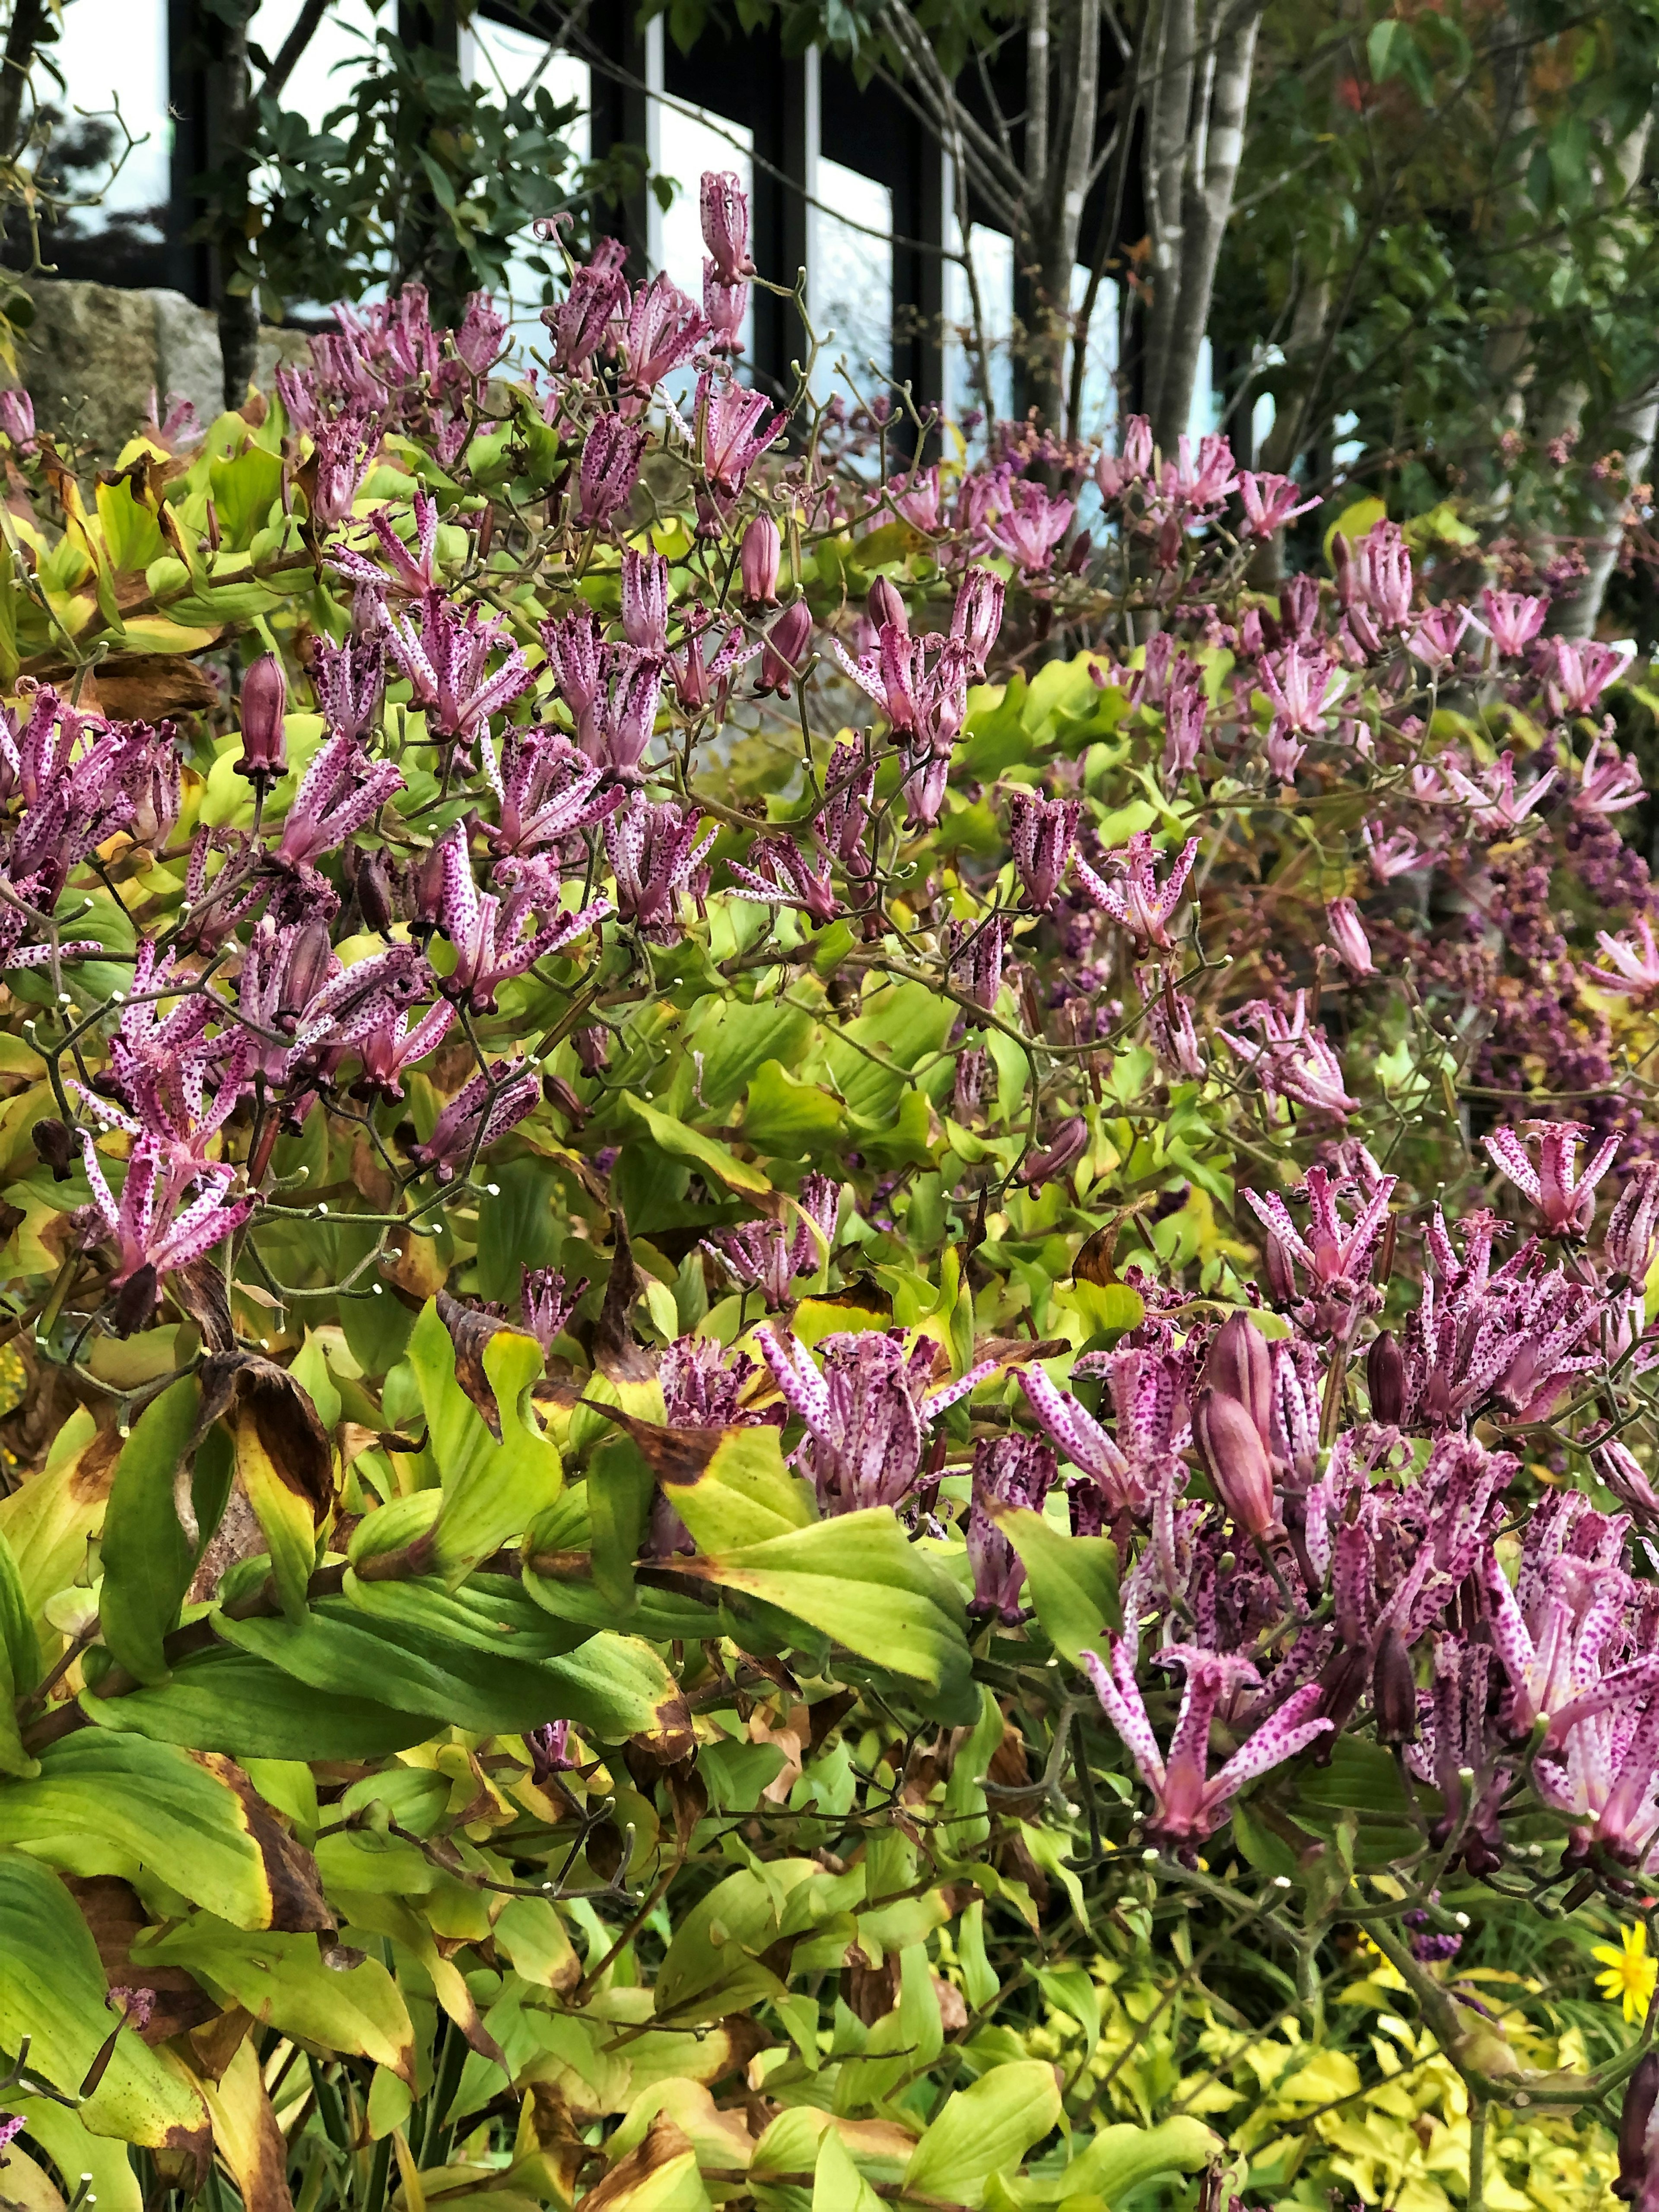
x,y
238,311
1195,143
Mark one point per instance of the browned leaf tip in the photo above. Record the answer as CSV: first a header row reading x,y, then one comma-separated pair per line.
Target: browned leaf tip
x,y
663,2144
241,1386
298,1906
617,1353
470,1331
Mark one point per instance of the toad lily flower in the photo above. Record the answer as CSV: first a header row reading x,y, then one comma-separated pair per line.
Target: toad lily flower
x,y
1189,1802
1134,897
610,470
487,931
663,329
1270,502
1635,968
764,1255
1609,782
1291,1058
1337,1255
413,572
1513,620
1555,1659
1579,671
397,1044
782,875
655,853
1042,832
1007,1471
1494,803
493,1101
1565,1199
1030,526
341,790
867,1412
157,1224
1125,1476
734,427
447,660
546,791
1348,935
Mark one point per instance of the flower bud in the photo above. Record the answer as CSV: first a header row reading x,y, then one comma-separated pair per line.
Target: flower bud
x,y
763,550
1281,1275
1240,1367
1236,1459
55,1144
265,702
373,888
134,1301
1385,1380
427,882
558,1092
592,1049
1341,1685
307,971
1394,1691
886,606
17,419
1635,2124
788,644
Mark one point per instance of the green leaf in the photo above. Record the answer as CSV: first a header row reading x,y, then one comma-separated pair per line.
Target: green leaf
x,y
53,1991
858,1579
837,2184
490,1613
1073,1579
706,1153
729,1485
787,1120
193,1819
492,1491
283,1982
19,1661
518,1226
1120,2158
872,1057
232,1702
148,1557
985,2129
412,1668
740,1041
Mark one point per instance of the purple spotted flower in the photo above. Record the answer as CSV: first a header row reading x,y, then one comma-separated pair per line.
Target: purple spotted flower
x,y
341,790
1565,1199
765,1255
445,656
1013,1470
866,1414
493,1101
1042,832
1189,1802
487,928
655,853
1131,893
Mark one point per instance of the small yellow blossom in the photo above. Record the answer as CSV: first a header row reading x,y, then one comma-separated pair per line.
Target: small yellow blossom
x,y
1630,1973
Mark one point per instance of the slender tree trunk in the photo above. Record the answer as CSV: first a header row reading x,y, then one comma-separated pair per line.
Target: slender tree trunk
x,y
1216,147
1174,29
238,311
1627,429
28,19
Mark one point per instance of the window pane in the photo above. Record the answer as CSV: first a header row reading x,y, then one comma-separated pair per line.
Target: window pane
x,y
112,53
852,276
993,256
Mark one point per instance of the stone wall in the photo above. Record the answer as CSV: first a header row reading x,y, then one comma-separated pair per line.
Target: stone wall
x,y
95,353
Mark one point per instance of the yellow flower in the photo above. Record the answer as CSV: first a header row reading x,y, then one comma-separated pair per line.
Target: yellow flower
x,y
1630,1973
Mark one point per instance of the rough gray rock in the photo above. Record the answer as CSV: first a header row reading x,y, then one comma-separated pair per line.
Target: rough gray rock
x,y
95,353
